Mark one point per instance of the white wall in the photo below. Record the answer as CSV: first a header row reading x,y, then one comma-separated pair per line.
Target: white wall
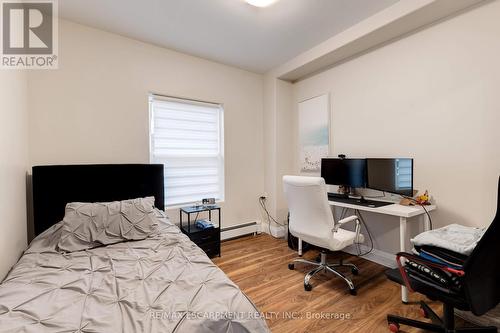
x,y
284,138
432,96
94,109
278,147
270,147
13,165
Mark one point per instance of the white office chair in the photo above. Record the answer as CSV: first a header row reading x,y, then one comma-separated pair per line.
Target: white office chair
x,y
311,220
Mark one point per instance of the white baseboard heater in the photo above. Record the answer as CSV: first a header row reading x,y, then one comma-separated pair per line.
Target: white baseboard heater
x,y
240,230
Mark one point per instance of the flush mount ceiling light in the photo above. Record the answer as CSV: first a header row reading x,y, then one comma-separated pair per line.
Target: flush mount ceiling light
x,y
260,3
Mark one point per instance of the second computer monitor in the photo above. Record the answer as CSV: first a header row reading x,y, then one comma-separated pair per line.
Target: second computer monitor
x,y
346,172
393,175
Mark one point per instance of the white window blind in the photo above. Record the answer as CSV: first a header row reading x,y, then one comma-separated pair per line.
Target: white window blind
x,y
187,137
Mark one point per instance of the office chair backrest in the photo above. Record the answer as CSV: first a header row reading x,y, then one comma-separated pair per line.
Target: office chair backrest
x,y
482,269
311,217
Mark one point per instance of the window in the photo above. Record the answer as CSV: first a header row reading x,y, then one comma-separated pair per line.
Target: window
x,y
187,137
404,168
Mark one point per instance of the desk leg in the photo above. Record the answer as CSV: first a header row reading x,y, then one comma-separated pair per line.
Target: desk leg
x,y
299,241
402,247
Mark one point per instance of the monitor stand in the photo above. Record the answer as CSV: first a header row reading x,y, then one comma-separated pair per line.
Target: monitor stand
x,y
362,200
334,195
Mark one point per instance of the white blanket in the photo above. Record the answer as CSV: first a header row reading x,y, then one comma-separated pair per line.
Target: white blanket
x,y
453,237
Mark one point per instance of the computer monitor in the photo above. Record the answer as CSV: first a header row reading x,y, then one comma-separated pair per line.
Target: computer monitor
x,y
346,172
394,175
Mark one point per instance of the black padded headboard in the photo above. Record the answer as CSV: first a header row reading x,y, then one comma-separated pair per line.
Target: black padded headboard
x,y
56,185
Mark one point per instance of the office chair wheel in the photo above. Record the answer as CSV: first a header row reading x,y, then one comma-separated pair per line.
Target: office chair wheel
x,y
307,287
394,327
291,267
354,271
423,313
353,292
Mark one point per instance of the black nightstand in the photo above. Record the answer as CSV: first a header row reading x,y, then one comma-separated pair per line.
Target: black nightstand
x,y
207,239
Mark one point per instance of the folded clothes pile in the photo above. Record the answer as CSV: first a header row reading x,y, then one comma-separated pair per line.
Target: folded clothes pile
x,y
447,278
453,237
446,249
442,256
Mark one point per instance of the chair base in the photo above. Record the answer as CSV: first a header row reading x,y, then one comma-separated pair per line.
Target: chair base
x,y
323,266
444,325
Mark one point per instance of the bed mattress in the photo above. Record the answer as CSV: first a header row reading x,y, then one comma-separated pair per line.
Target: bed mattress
x,y
164,283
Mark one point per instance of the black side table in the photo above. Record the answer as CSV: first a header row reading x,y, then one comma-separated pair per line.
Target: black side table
x,y
207,239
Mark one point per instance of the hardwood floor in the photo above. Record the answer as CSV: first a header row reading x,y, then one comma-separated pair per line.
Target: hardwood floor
x,y
258,265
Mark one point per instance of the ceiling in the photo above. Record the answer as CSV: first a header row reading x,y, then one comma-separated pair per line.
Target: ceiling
x,y
227,31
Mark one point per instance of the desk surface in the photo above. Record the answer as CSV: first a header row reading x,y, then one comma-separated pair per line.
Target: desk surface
x,y
394,209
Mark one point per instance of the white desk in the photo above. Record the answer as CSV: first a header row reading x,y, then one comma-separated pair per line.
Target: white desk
x,y
403,212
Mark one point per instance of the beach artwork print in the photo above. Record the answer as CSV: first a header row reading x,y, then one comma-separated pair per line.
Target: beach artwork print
x,y
313,132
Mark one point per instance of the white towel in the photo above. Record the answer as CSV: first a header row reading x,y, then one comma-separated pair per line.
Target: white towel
x,y
453,237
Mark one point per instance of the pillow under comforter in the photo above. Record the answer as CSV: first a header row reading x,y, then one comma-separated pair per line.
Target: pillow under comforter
x,y
89,225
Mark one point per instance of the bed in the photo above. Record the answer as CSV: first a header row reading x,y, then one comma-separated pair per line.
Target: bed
x,y
163,283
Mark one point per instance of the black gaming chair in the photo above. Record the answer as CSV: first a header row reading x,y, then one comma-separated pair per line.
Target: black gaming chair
x,y
481,291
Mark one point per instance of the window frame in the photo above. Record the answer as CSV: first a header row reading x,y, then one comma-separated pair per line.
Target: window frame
x,y
221,156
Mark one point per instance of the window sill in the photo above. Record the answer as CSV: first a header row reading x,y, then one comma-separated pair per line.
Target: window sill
x,y
188,204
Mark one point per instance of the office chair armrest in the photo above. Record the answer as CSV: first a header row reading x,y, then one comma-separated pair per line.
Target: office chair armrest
x,y
423,261
349,219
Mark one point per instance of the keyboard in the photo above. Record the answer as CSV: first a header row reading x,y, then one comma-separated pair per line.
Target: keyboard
x,y
354,201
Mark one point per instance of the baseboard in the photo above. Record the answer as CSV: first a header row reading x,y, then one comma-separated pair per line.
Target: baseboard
x,y
240,230
377,256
